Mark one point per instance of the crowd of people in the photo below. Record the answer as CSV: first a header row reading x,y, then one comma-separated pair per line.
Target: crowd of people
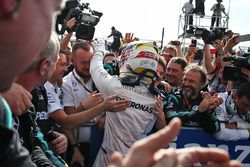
x,y
56,94
189,10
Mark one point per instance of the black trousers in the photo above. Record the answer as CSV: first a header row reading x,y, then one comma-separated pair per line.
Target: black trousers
x,y
217,19
189,22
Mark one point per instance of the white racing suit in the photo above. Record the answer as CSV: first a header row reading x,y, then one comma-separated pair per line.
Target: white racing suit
x,y
122,129
227,113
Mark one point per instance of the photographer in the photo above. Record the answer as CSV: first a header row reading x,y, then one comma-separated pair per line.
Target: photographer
x,y
66,40
237,69
188,9
65,45
237,72
217,9
85,19
215,67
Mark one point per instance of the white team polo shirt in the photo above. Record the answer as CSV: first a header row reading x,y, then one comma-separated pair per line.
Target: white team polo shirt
x,y
73,94
53,94
224,115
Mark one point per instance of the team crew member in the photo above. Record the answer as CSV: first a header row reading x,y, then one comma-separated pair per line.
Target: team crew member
x,y
234,114
193,107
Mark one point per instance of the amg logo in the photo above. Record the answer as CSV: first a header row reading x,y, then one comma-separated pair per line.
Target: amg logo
x,y
138,106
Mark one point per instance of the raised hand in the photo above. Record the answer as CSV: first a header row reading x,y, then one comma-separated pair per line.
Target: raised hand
x,y
209,102
129,37
18,98
71,23
99,45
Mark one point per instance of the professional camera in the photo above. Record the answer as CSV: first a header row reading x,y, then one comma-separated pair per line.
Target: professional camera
x,y
86,19
233,73
209,36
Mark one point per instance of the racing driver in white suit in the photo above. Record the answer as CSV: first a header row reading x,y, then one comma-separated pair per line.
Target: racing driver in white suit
x,y
136,82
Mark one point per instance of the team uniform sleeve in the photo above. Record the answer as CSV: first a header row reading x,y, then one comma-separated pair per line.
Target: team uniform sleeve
x,y
207,120
231,134
173,109
102,79
243,125
53,99
225,133
68,98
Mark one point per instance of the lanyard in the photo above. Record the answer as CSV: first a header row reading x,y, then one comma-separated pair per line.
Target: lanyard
x,y
234,109
81,83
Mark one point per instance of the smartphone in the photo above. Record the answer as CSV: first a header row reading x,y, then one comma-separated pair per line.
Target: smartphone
x,y
49,136
243,38
194,42
175,43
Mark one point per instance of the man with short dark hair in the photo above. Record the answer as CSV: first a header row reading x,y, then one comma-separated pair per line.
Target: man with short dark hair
x,y
117,36
175,71
234,114
77,85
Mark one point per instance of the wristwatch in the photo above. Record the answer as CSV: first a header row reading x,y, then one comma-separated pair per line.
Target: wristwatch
x,y
75,145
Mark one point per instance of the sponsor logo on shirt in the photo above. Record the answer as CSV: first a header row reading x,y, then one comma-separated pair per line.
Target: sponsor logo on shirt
x,y
138,106
138,91
41,115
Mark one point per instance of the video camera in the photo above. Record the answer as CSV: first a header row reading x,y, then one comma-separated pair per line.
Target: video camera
x,y
209,36
86,19
233,73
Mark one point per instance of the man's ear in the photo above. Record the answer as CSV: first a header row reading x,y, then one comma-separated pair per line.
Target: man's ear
x,y
43,68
